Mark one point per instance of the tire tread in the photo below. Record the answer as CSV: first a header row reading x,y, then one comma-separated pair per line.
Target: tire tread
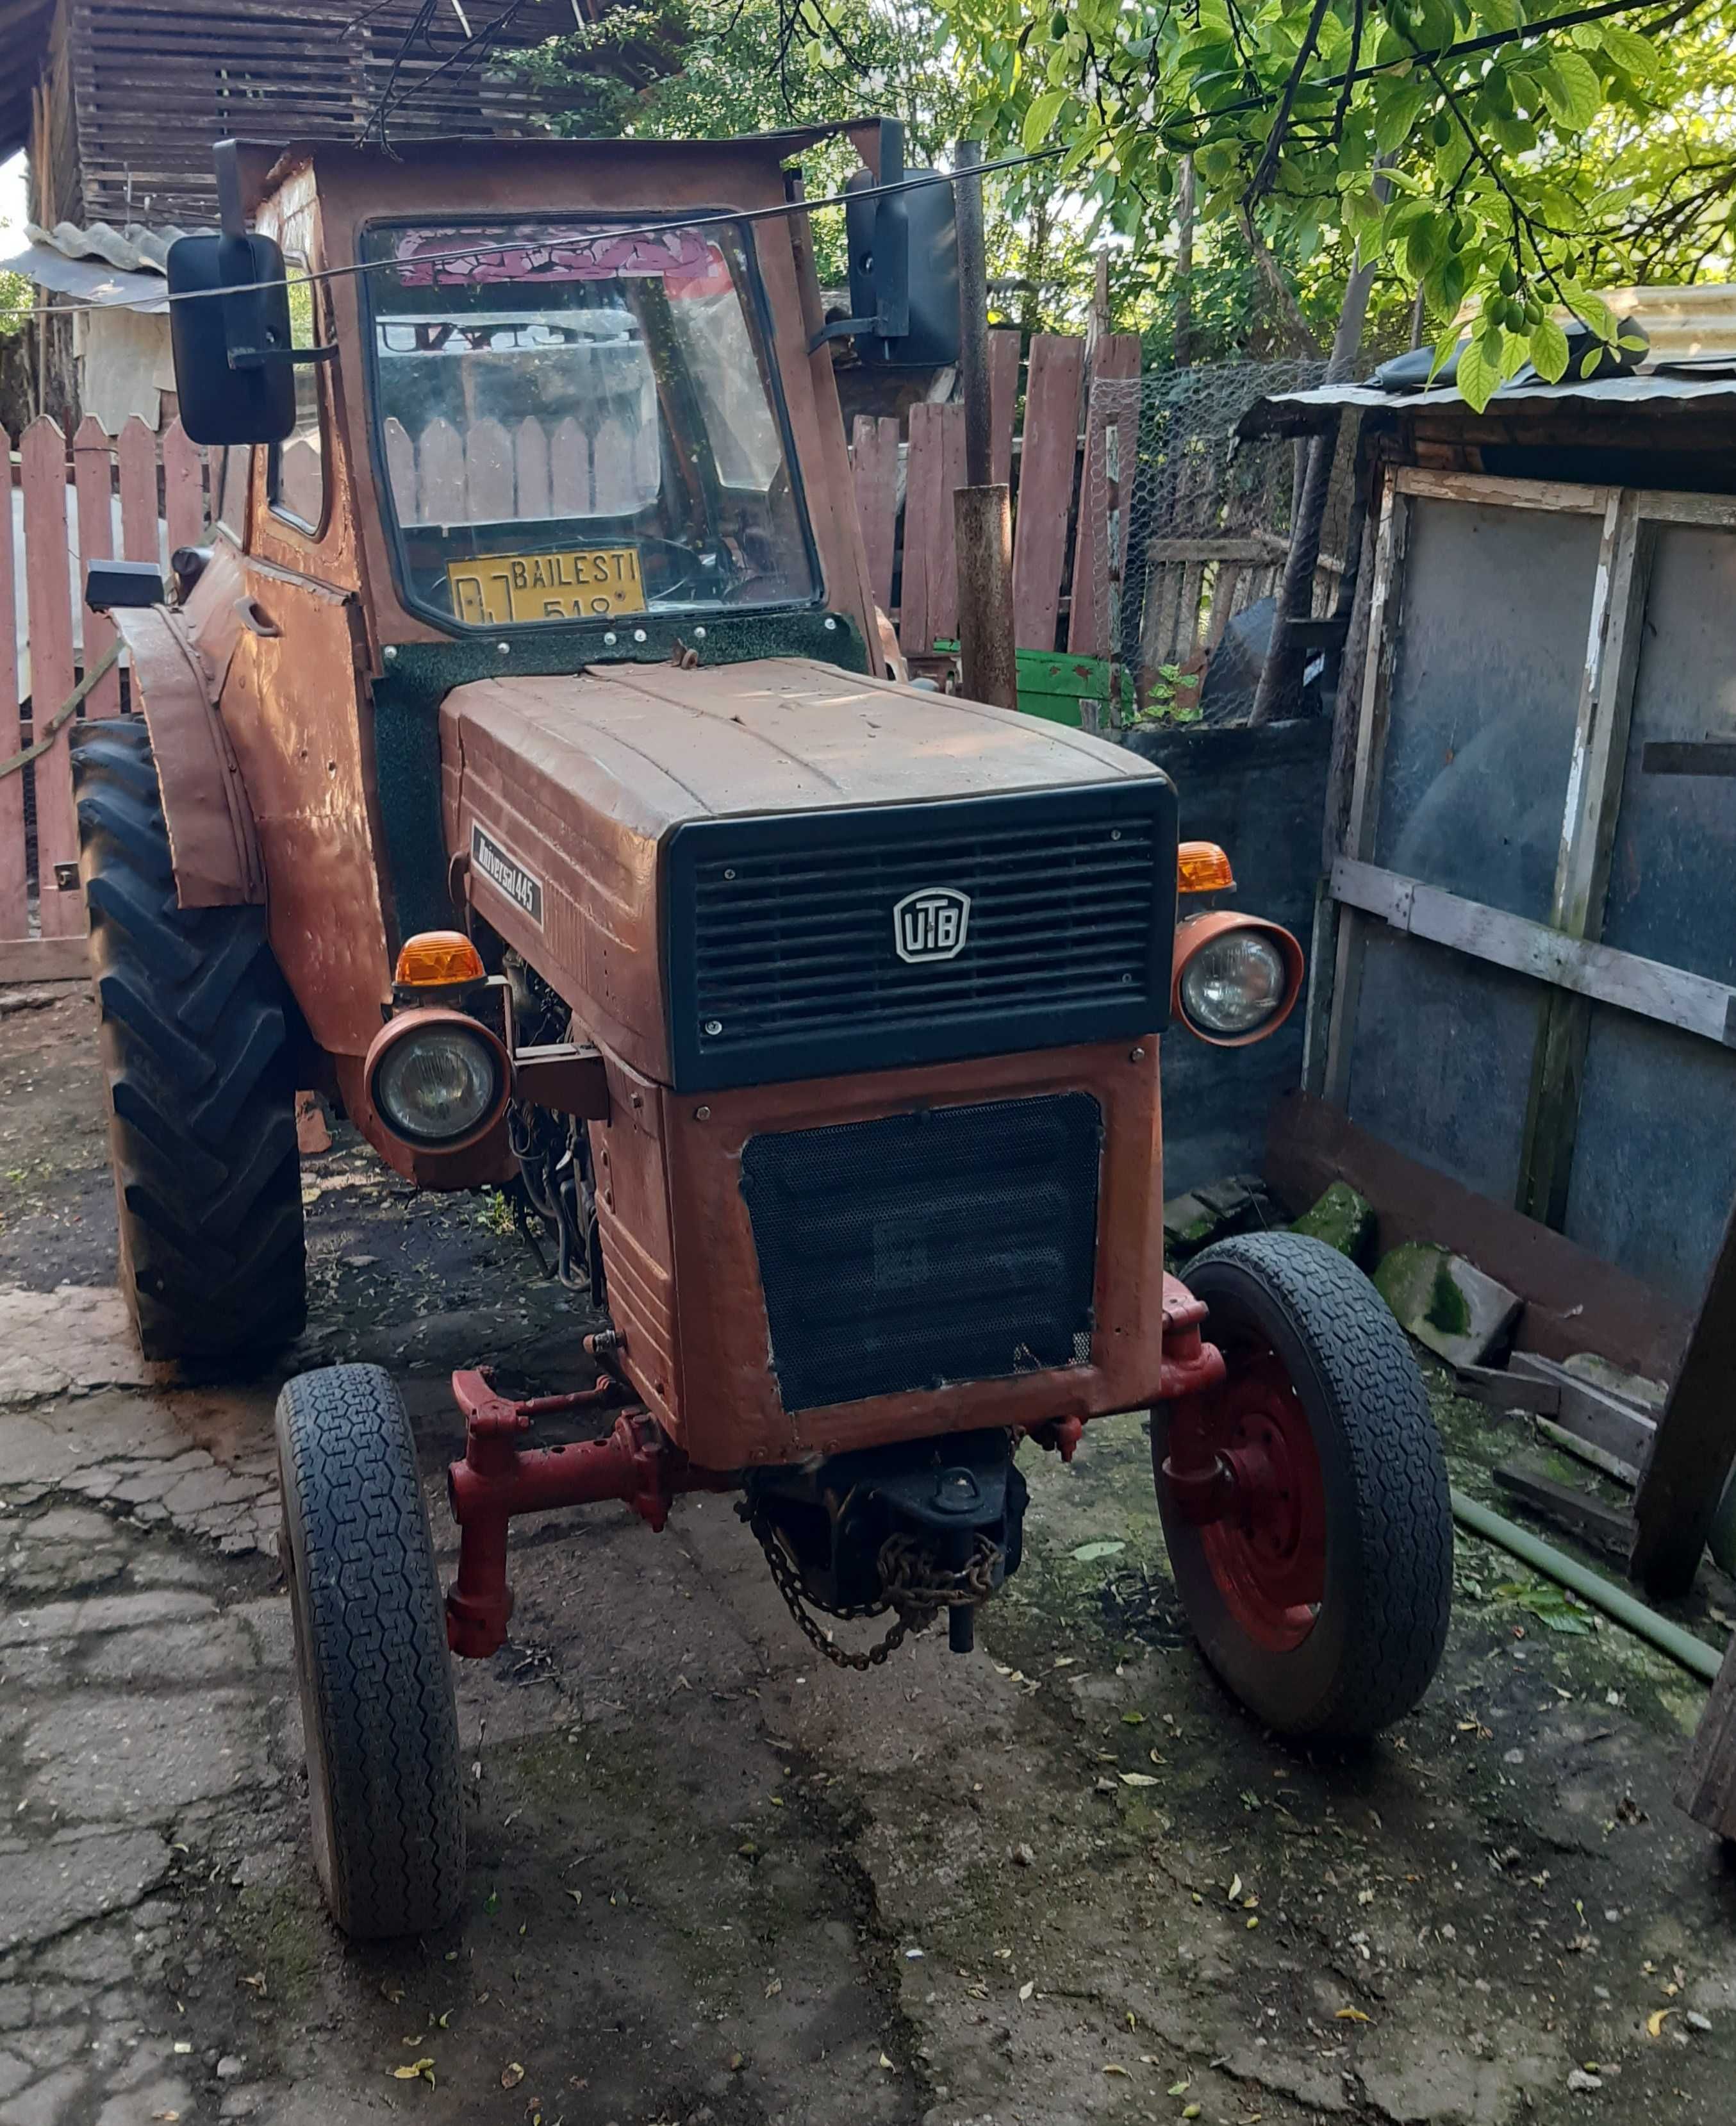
x,y
387,1727
195,1046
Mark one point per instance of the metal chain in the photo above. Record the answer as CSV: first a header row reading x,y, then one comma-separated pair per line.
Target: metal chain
x,y
918,1596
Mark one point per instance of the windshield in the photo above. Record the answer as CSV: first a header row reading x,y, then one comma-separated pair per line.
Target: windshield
x,y
577,424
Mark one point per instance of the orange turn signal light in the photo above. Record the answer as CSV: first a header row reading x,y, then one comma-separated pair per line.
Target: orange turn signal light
x,y
435,959
1202,867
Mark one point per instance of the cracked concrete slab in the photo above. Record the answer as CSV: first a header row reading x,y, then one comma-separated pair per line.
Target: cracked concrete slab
x,y
54,1887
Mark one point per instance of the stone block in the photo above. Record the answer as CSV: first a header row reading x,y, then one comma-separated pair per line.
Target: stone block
x,y
1343,1220
1447,1303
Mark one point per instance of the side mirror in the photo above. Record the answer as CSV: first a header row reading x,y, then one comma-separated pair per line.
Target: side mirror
x,y
110,584
232,353
904,250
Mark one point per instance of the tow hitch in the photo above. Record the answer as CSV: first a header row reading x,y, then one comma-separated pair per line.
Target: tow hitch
x,y
911,1530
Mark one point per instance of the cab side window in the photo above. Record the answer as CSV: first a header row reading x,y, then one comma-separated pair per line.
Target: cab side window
x,y
295,480
234,470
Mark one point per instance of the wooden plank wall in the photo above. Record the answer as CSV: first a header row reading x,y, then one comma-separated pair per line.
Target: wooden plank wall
x,y
101,485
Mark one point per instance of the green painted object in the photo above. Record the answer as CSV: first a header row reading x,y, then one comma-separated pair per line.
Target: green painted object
x,y
1054,684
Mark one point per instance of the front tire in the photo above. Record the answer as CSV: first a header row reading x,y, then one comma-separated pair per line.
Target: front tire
x,y
1321,1597
201,1095
377,1707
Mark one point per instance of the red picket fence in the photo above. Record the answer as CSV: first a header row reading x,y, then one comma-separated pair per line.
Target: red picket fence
x,y
912,562
137,493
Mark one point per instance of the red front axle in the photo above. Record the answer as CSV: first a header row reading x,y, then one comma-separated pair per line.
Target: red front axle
x,y
637,1465
498,1478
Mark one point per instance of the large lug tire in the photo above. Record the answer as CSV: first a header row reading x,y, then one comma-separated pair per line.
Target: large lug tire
x,y
195,1047
371,1657
1323,1606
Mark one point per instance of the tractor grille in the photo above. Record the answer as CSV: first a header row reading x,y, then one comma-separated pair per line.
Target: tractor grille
x,y
1032,921
922,1249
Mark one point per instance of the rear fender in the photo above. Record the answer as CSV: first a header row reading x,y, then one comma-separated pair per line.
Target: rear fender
x,y
213,844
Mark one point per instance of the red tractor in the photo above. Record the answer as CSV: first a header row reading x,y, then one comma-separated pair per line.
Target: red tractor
x,y
514,767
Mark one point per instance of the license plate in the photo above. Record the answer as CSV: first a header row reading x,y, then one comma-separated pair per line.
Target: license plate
x,y
587,583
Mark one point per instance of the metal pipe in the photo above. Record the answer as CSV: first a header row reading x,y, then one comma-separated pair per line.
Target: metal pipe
x,y
1615,1602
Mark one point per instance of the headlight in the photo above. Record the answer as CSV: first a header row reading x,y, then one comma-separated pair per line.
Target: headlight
x,y
1235,983
437,1083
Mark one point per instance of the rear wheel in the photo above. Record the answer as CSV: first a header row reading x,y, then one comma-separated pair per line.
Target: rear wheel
x,y
1316,1566
195,1047
376,1678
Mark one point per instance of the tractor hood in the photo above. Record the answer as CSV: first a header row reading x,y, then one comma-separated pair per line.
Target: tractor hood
x,y
564,794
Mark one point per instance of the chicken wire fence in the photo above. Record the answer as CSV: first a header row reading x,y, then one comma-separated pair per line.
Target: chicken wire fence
x,y
1199,522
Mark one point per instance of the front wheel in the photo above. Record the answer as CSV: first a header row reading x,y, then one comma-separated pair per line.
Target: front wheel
x,y
371,1657
1316,1564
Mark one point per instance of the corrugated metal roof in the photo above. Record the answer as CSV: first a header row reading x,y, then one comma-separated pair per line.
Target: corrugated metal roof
x,y
100,264
1299,413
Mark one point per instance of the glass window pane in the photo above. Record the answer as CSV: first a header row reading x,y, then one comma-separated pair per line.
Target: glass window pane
x,y
1497,609
577,423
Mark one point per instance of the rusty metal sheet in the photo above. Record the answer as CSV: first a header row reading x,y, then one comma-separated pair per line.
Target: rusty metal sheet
x,y
212,840
291,706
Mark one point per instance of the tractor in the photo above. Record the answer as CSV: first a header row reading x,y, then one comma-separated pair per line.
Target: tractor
x,y
518,765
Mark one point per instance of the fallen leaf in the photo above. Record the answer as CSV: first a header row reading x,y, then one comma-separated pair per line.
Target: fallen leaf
x,y
738,2061
1139,1779
1350,2015
168,2118
577,1896
888,2064
1025,1990
1133,1719
255,1979
1113,2069
1088,1553
491,1903
1235,1889
511,2074
1655,2021
444,2022
1180,2088
1190,2110
414,2071
182,2046
776,1987
391,1990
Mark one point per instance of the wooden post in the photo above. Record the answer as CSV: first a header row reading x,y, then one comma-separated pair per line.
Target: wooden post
x,y
982,509
1707,1788
983,522
1684,1480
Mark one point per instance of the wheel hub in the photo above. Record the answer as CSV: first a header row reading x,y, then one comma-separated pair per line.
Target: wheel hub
x,y
1244,1469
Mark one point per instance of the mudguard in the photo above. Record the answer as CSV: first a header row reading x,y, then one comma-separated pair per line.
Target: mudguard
x,y
212,840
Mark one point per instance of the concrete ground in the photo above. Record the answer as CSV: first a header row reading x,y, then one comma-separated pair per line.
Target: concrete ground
x,y
713,1879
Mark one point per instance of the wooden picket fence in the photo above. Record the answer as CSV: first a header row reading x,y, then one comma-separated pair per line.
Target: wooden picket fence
x,y
138,492
904,489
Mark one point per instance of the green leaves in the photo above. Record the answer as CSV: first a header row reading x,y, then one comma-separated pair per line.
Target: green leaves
x,y
1478,376
1571,87
1549,351
1039,118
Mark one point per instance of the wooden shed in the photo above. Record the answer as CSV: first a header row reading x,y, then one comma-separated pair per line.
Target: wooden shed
x,y
119,104
1522,1034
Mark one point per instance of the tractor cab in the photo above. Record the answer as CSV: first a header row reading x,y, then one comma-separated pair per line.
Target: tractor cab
x,y
510,391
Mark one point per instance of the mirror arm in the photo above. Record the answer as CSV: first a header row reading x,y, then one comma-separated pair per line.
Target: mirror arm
x,y
256,358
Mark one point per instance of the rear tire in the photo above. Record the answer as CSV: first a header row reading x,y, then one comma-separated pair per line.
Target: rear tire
x,y
1329,1618
371,1657
201,1098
